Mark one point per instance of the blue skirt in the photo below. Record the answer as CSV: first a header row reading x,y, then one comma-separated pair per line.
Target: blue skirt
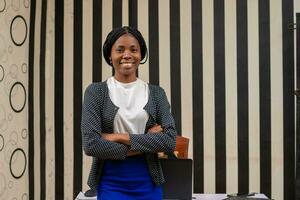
x,y
127,179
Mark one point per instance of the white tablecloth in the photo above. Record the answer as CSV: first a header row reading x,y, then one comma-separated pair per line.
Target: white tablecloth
x,y
81,196
220,196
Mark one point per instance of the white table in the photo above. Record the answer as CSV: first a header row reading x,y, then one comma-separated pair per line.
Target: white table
x,y
220,196
81,196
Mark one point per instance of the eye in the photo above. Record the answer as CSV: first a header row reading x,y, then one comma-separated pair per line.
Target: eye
x,y
134,50
119,50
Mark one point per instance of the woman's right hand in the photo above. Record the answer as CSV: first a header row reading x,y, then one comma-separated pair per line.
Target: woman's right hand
x,y
155,129
133,153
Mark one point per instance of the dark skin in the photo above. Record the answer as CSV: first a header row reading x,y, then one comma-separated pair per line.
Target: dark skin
x,y
125,59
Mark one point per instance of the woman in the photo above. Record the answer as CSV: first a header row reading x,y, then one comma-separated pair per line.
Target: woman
x,y
125,122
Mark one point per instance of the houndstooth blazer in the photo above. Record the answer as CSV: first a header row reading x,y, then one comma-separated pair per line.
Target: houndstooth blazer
x,y
98,113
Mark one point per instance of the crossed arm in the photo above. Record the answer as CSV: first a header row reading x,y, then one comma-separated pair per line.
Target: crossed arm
x,y
124,138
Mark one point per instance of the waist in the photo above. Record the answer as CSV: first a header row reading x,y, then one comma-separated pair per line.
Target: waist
x,y
133,166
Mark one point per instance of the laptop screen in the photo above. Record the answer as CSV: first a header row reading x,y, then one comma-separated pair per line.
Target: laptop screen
x,y
178,175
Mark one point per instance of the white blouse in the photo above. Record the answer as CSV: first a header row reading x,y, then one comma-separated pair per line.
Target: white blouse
x,y
131,98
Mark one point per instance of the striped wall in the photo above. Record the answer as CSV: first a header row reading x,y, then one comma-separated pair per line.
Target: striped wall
x,y
227,68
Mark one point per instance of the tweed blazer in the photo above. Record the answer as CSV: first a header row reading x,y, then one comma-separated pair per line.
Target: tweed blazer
x,y
98,113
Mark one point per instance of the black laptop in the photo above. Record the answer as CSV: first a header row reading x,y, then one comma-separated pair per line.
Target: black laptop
x,y
178,175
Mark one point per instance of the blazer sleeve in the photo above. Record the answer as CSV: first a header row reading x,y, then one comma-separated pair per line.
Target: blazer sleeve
x,y
91,128
160,142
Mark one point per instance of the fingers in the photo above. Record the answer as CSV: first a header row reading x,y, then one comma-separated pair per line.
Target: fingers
x,y
133,153
109,137
155,129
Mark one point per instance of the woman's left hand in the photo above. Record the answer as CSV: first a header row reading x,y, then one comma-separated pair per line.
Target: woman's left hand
x,y
156,129
108,136
117,137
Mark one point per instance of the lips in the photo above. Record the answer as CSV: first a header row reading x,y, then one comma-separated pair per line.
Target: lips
x,y
127,62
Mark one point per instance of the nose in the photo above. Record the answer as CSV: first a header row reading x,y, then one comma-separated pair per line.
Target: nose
x,y
127,55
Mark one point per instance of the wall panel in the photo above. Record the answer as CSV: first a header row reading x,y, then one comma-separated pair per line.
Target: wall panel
x,y
16,142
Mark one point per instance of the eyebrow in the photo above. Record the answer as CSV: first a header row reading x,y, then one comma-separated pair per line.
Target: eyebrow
x,y
122,46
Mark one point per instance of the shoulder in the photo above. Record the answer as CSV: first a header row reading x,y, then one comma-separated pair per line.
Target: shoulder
x,y
97,87
156,89
95,90
158,93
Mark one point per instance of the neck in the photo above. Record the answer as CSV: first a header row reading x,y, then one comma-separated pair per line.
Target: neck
x,y
125,79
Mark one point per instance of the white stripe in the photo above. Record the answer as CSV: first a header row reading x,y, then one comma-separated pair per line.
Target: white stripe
x,y
253,77
68,99
231,96
87,70
125,15
36,101
164,46
276,98
49,92
143,28
186,72
106,28
296,7
208,96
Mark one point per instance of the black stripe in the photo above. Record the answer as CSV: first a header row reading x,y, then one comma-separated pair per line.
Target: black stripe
x,y
242,96
31,101
117,13
133,13
220,116
175,62
97,40
153,42
197,75
298,53
265,97
288,99
42,101
59,99
77,92
298,109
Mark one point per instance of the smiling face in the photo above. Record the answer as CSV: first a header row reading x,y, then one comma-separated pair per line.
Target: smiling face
x,y
125,58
